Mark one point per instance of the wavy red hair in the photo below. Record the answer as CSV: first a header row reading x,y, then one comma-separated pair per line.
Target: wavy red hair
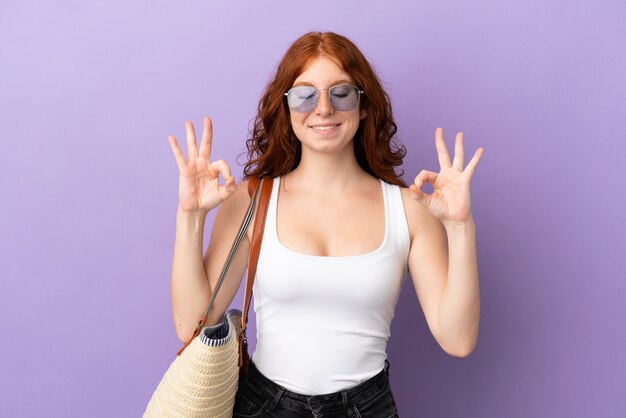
x,y
274,149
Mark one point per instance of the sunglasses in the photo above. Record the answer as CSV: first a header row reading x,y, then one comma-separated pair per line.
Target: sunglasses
x,y
342,97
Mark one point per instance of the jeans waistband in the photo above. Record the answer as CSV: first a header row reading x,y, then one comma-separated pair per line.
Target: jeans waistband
x,y
363,390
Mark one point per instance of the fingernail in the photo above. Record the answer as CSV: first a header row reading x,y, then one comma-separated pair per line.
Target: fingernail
x,y
232,188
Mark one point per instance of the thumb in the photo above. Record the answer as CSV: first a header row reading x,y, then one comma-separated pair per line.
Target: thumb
x,y
228,188
417,194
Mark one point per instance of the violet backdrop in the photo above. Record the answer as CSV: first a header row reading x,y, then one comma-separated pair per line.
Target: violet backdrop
x,y
89,91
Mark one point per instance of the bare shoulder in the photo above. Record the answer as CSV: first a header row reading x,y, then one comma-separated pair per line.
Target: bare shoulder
x,y
421,222
227,221
231,211
241,198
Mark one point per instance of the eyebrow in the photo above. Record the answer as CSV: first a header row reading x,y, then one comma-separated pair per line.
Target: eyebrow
x,y
306,83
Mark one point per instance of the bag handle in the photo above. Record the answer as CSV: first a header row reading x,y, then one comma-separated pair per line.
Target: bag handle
x,y
255,249
255,186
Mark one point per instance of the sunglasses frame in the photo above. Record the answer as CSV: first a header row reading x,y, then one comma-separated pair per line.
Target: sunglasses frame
x,y
359,92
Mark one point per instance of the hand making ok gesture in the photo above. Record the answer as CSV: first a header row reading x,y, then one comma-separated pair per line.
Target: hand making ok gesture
x,y
199,189
450,199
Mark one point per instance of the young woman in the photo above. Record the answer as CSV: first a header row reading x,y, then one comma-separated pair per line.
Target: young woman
x,y
342,232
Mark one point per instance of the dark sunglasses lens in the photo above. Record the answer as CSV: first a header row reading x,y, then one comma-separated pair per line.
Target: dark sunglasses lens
x,y
302,98
344,97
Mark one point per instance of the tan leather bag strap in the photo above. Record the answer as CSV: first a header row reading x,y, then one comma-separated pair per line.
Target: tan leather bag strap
x,y
255,247
254,188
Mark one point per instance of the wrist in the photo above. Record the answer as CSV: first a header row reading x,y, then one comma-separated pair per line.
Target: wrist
x,y
194,217
460,225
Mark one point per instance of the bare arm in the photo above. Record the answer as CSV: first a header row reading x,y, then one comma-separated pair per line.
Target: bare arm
x,y
443,266
189,284
459,308
442,259
193,276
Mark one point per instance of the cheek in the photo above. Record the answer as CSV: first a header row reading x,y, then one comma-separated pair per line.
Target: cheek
x,y
355,120
296,119
298,124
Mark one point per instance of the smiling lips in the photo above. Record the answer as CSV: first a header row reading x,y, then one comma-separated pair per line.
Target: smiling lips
x,y
325,128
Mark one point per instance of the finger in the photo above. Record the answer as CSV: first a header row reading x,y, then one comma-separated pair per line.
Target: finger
x,y
229,186
220,166
178,153
417,194
192,147
471,166
213,172
426,176
422,177
459,153
207,138
442,151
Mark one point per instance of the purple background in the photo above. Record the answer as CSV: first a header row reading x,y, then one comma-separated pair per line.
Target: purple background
x,y
89,91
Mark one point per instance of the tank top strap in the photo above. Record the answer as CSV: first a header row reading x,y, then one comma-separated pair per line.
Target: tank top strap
x,y
398,223
270,222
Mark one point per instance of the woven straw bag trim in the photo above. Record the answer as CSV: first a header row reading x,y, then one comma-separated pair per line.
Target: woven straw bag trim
x,y
181,404
205,352
201,367
205,379
187,406
182,378
195,383
211,363
186,400
203,356
178,401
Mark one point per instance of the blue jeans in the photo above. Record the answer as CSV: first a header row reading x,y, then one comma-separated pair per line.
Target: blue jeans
x,y
258,396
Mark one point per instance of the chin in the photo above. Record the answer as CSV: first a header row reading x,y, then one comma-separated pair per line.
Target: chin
x,y
326,145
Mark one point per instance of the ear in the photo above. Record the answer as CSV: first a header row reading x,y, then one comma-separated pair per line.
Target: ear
x,y
363,114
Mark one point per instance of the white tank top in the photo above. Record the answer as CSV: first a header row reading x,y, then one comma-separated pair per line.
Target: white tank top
x,y
323,322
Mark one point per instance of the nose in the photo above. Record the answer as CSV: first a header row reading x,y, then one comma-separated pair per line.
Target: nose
x,y
324,107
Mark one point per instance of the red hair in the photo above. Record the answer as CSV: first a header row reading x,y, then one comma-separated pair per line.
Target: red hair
x,y
274,149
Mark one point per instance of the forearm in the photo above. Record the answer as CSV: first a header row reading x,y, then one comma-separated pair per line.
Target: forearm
x,y
459,310
189,284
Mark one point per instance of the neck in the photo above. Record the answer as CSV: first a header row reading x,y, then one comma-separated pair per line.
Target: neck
x,y
328,173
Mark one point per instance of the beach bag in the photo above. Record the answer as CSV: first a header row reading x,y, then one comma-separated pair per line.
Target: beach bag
x,y
202,380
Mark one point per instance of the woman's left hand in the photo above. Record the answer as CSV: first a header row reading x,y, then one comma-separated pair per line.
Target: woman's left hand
x,y
450,199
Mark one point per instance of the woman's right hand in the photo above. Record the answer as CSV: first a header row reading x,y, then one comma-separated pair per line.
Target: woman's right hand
x,y
199,189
